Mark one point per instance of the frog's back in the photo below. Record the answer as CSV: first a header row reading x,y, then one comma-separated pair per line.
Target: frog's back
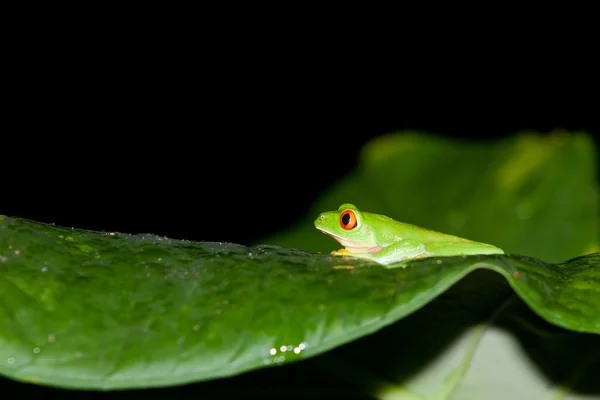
x,y
436,243
401,230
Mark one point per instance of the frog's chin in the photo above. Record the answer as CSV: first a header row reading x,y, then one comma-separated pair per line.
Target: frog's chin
x,y
351,246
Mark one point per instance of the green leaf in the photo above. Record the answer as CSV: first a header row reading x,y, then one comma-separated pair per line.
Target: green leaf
x,y
530,194
477,340
97,310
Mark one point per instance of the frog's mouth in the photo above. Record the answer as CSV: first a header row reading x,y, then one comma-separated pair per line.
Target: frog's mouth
x,y
351,246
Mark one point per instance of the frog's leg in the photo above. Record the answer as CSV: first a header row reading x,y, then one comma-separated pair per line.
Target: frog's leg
x,y
399,251
460,248
408,249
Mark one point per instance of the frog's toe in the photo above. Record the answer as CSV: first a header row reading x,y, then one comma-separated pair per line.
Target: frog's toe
x,y
423,254
341,252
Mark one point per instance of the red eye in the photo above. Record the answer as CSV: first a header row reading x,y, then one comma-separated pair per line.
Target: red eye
x,y
348,220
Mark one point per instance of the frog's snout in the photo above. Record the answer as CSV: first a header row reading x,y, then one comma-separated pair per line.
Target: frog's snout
x,y
320,219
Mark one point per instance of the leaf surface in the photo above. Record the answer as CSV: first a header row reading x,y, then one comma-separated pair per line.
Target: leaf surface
x,y
103,310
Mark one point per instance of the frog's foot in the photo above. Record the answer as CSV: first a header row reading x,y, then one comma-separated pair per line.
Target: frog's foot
x,y
341,252
423,254
419,255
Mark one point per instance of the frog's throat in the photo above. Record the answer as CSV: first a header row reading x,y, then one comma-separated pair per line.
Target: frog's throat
x,y
351,246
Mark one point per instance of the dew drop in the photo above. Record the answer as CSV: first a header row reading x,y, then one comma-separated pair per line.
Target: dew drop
x,y
273,351
36,350
283,348
297,350
11,360
439,261
302,346
44,269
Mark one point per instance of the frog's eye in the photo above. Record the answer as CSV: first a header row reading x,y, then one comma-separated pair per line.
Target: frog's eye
x,y
348,220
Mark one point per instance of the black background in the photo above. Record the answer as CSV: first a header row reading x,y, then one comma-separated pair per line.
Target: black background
x,y
235,160
203,136
141,135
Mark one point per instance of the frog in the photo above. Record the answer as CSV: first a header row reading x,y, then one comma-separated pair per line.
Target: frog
x,y
384,240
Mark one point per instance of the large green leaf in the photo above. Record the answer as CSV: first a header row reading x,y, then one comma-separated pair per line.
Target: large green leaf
x,y
101,310
477,340
530,194
93,310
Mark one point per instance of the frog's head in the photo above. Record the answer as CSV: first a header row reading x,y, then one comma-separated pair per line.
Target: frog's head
x,y
348,226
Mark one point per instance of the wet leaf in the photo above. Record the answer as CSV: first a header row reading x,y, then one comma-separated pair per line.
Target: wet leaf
x,y
102,311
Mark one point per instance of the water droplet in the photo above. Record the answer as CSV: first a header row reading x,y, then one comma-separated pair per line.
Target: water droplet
x,y
279,359
36,350
283,348
290,348
11,360
273,351
267,361
302,346
44,269
524,210
3,259
439,261
159,259
297,350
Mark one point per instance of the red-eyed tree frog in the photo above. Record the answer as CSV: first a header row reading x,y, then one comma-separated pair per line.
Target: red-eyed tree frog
x,y
382,239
